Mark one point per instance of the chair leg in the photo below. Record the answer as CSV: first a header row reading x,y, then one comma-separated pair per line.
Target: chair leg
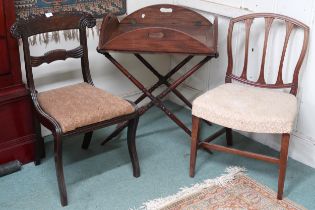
x,y
283,163
59,170
87,140
39,144
194,144
131,140
229,136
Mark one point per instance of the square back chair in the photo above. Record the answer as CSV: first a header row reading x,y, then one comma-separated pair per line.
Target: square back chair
x,y
74,109
252,107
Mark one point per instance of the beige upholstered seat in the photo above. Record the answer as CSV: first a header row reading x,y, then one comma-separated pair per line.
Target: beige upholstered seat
x,y
247,108
82,104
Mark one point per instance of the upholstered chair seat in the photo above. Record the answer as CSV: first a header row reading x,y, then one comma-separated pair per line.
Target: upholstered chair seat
x,y
247,108
82,104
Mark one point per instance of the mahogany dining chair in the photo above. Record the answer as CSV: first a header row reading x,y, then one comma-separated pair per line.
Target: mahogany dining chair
x,y
252,106
73,109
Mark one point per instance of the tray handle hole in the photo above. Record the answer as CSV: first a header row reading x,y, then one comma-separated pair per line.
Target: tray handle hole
x,y
166,10
156,35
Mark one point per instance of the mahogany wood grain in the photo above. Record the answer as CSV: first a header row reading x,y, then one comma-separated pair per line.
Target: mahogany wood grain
x,y
17,134
152,30
62,21
172,15
10,71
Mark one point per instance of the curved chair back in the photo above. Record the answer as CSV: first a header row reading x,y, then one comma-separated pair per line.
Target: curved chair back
x,y
269,18
25,28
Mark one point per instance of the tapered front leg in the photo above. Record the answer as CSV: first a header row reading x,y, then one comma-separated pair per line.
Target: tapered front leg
x,y
283,163
194,144
59,169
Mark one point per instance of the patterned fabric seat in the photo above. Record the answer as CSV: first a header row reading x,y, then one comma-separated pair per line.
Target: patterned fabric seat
x,y
247,108
82,104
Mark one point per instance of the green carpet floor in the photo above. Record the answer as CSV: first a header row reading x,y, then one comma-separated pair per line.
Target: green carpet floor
x,y
101,178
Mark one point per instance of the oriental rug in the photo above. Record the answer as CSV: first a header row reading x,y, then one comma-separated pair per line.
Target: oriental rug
x,y
233,190
97,8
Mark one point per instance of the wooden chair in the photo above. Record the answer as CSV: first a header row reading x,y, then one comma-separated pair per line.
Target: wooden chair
x,y
74,109
253,107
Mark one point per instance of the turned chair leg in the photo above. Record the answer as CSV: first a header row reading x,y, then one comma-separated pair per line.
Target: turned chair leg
x,y
59,170
229,136
194,144
39,143
283,163
131,140
87,140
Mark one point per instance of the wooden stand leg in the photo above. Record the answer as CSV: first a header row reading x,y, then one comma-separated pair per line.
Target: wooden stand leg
x,y
283,163
59,170
131,140
115,133
194,144
87,140
229,136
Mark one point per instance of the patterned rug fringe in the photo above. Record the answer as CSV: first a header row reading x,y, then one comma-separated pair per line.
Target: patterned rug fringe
x,y
227,177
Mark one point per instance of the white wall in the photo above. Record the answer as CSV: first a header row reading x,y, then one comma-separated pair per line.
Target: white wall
x,y
303,138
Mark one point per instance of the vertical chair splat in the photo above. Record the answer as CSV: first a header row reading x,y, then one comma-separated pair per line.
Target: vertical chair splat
x,y
268,23
289,27
248,24
229,70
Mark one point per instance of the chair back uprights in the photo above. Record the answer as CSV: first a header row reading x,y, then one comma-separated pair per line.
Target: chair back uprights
x,y
25,28
269,18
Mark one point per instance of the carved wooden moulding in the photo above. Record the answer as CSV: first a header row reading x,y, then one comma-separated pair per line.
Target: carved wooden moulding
x,y
160,28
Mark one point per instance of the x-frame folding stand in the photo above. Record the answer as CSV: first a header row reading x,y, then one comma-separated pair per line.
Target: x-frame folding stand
x,y
162,80
159,29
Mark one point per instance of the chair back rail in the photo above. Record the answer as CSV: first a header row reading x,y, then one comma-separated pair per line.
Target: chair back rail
x,y
269,18
54,55
34,25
